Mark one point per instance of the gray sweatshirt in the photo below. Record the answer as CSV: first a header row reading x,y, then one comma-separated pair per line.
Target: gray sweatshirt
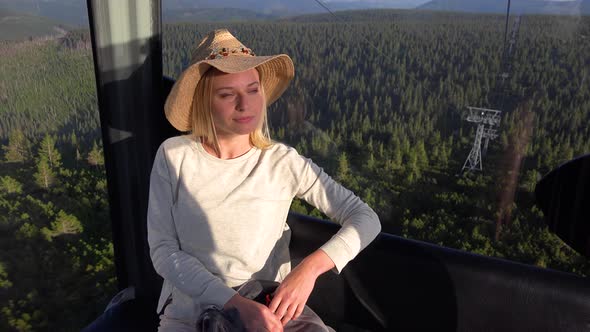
x,y
214,224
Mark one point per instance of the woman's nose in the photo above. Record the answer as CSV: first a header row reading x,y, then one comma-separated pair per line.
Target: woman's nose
x,y
243,102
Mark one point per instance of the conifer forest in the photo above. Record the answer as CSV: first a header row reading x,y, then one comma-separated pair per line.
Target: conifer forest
x,y
379,100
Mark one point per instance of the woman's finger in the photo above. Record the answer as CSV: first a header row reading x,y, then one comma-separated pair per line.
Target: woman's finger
x,y
272,322
282,309
274,303
276,324
289,314
299,311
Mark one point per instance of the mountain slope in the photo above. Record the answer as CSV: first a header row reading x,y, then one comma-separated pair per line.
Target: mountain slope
x,y
517,7
212,15
17,26
74,12
71,12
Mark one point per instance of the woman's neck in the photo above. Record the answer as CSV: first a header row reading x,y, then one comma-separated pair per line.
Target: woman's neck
x,y
229,148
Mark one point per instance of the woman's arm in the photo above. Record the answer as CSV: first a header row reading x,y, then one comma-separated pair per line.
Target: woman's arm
x,y
360,225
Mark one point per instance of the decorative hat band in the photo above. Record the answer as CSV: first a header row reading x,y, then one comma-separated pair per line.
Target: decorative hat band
x,y
220,53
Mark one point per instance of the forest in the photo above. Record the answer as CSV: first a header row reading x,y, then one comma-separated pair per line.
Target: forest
x,y
379,100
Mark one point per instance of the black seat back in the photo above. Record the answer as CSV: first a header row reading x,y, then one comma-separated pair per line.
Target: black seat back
x,y
397,284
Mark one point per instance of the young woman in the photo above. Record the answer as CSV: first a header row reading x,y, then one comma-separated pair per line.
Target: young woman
x,y
219,197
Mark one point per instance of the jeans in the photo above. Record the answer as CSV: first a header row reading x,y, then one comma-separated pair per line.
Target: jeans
x,y
215,320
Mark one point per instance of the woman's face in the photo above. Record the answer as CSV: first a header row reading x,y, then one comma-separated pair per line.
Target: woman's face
x,y
236,103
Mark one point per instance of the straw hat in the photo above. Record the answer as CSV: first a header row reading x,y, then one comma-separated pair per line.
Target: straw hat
x,y
220,49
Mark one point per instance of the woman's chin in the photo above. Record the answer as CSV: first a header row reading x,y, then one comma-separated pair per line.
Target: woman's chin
x,y
244,130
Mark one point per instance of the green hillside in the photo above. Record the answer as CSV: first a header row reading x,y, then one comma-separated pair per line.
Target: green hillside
x,y
18,26
47,85
71,12
213,15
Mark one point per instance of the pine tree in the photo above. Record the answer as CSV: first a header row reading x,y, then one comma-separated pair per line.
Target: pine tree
x,y
45,176
10,185
343,171
95,156
397,157
422,157
4,281
48,151
74,139
371,162
18,148
412,169
66,224
529,180
78,155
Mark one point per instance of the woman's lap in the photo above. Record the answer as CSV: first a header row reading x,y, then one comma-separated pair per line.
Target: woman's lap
x,y
308,321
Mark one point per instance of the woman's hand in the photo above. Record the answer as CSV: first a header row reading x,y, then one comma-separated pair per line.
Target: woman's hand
x,y
292,294
255,316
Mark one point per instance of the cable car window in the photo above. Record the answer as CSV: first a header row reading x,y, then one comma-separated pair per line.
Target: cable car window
x,y
442,118
56,251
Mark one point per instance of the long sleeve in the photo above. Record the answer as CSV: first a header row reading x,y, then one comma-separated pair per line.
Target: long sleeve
x,y
360,224
183,271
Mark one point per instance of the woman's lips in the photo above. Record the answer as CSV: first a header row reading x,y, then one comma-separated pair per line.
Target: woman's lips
x,y
245,119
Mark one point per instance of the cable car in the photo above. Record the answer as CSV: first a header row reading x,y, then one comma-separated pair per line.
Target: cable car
x,y
395,284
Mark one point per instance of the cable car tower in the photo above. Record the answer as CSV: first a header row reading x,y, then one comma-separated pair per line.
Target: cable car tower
x,y
491,117
483,117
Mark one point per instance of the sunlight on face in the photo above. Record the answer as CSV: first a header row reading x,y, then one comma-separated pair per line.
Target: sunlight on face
x,y
236,103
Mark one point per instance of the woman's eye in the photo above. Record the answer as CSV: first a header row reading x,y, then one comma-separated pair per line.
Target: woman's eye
x,y
253,91
225,95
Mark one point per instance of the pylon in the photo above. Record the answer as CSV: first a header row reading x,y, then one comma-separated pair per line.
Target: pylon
x,y
483,117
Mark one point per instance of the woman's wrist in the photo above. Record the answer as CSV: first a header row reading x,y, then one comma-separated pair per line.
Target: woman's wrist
x,y
318,263
233,301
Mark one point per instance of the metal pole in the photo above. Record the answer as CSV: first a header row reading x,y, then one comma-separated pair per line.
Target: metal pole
x,y
127,49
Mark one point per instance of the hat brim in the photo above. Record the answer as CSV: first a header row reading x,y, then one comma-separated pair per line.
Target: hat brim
x,y
276,73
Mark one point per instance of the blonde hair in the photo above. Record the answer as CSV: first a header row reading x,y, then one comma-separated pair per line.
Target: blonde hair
x,y
202,120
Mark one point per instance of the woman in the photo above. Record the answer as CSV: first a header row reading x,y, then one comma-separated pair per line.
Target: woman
x,y
219,197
